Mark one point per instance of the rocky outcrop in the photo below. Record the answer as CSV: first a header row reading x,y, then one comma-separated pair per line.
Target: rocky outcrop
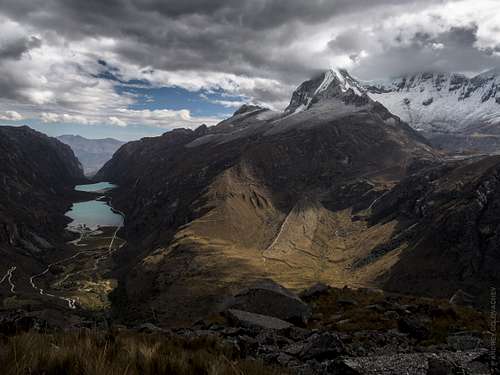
x,y
373,342
258,321
273,300
449,227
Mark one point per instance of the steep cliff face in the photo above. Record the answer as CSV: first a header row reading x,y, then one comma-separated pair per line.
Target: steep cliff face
x,y
257,196
448,233
36,175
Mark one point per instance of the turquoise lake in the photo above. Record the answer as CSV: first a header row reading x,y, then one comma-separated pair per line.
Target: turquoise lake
x,y
95,212
92,188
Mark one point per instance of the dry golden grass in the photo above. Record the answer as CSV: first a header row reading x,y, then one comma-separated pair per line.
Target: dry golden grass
x,y
96,353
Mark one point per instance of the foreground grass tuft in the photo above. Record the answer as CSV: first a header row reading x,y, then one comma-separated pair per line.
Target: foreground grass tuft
x,y
96,353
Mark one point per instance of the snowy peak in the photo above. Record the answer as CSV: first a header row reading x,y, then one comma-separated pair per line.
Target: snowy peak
x,y
331,84
441,102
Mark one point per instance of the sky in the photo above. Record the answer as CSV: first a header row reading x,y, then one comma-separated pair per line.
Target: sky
x,y
133,68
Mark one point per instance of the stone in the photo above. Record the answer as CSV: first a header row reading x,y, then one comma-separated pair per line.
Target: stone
x,y
296,333
283,359
391,315
272,299
464,341
414,327
21,322
343,322
439,366
441,363
322,346
346,302
375,307
149,328
462,298
315,291
257,321
248,345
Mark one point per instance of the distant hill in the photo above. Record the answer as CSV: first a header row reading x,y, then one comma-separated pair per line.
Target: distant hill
x,y
92,153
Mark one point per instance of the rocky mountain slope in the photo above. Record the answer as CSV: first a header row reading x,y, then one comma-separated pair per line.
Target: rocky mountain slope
x,y
448,230
455,111
92,153
441,101
36,175
261,195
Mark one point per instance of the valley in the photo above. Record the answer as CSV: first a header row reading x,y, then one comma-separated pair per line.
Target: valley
x,y
333,227
271,187
80,280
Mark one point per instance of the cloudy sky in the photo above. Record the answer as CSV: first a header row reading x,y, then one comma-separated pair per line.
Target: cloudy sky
x,y
132,68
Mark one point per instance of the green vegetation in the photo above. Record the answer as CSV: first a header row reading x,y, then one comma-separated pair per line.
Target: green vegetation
x,y
97,353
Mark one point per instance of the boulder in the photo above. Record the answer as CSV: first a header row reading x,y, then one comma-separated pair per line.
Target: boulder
x,y
20,321
439,366
414,327
315,291
272,299
149,328
255,321
322,346
462,298
346,302
465,341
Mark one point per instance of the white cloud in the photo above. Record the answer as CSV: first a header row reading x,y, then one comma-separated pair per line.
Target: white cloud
x,y
162,118
10,116
229,103
113,120
54,75
165,118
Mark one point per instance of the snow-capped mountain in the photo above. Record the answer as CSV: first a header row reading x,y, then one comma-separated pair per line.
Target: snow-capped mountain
x,y
454,111
333,83
442,102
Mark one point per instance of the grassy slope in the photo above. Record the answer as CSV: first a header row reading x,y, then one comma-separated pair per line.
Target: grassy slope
x,y
97,353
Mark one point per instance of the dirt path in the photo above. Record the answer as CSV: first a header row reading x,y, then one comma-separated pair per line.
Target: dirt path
x,y
8,277
83,235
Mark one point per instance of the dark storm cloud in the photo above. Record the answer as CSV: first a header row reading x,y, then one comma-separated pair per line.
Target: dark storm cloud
x,y
240,37
452,50
254,14
464,36
15,48
281,41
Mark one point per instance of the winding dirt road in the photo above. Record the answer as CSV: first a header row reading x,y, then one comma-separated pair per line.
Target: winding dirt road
x,y
8,277
83,233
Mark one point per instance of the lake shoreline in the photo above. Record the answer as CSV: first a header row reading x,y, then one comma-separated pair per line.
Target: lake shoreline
x,y
91,214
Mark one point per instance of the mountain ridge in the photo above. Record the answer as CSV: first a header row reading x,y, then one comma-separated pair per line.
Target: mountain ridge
x,y
35,192
237,196
92,153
